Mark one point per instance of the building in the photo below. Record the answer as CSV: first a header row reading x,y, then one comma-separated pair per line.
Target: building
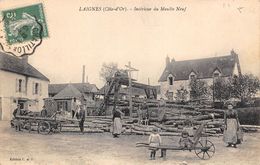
x,y
63,94
177,74
22,84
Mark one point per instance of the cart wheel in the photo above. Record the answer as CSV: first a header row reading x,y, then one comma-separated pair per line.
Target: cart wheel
x,y
204,150
44,127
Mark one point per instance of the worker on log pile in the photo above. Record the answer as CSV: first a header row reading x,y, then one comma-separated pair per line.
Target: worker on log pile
x,y
161,110
145,113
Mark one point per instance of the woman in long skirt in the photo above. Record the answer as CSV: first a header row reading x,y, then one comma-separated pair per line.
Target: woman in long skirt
x,y
231,127
117,125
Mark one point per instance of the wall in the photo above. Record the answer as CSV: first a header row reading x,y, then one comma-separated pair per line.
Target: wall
x,y
178,85
10,96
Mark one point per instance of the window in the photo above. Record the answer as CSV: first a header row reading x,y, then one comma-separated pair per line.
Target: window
x,y
20,85
170,80
192,76
36,88
216,75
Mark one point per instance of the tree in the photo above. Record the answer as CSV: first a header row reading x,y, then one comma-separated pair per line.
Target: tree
x,y
244,87
181,95
199,89
108,70
222,89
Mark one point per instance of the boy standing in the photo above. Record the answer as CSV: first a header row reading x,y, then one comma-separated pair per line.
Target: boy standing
x,y
154,141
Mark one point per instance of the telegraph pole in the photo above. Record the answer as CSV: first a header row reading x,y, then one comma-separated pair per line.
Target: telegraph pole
x,y
130,69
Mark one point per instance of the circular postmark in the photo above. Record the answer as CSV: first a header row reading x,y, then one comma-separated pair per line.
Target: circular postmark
x,y
22,30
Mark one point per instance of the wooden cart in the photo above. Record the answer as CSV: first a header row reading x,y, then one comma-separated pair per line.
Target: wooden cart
x,y
204,149
44,125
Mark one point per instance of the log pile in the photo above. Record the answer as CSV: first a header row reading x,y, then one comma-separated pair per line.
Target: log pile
x,y
176,118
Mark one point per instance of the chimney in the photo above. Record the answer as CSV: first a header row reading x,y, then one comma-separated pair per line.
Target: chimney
x,y
83,74
173,60
167,61
235,56
24,58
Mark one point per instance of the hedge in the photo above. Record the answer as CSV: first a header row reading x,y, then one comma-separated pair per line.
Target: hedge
x,y
249,115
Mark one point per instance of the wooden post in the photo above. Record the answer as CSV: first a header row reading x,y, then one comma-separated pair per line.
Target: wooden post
x,y
130,91
130,69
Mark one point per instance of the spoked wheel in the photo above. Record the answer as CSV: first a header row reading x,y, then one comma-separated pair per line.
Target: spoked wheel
x,y
56,127
44,127
204,150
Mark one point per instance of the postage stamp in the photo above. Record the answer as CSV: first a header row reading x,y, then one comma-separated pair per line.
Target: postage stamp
x,y
23,29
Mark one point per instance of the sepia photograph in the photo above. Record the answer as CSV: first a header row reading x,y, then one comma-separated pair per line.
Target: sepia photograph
x,y
133,82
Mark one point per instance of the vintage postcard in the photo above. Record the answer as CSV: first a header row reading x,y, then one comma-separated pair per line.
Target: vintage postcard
x,y
112,82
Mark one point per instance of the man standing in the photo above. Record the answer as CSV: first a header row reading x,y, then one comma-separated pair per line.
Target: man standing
x,y
17,111
145,113
75,107
18,123
44,112
81,117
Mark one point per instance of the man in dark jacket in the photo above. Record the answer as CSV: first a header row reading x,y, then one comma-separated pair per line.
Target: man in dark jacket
x,y
18,123
17,111
81,116
44,112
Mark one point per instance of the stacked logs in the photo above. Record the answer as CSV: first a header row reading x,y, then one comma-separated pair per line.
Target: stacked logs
x,y
176,118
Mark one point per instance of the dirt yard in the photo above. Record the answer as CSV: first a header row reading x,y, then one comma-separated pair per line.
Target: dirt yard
x,y
95,149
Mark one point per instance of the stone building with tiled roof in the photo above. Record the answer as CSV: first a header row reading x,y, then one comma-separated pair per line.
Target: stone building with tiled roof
x,y
177,74
63,94
22,84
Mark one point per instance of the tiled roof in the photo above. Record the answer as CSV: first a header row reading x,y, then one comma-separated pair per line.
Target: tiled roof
x,y
16,65
68,92
203,68
82,87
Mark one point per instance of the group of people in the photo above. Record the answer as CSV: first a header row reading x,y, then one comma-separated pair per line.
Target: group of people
x,y
232,133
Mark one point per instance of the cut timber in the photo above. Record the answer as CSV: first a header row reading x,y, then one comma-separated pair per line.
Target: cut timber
x,y
250,126
166,128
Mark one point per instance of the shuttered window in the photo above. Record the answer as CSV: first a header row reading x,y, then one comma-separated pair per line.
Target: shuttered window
x,y
37,88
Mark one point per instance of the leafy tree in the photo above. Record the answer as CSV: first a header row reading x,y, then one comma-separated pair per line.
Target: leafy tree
x,y
221,89
181,95
199,89
108,70
244,86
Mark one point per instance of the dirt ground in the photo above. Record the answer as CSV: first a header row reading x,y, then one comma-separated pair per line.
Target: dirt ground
x,y
95,149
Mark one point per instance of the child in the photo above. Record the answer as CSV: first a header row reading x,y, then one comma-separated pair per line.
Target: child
x,y
154,141
185,142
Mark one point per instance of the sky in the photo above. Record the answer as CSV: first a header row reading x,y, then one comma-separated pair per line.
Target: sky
x,y
90,38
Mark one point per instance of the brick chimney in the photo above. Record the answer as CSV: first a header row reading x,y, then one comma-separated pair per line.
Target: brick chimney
x,y
167,60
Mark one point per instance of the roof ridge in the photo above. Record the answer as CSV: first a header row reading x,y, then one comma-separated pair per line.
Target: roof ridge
x,y
15,64
207,58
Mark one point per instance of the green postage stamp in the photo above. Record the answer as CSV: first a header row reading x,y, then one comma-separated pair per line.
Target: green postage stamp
x,y
21,23
23,29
